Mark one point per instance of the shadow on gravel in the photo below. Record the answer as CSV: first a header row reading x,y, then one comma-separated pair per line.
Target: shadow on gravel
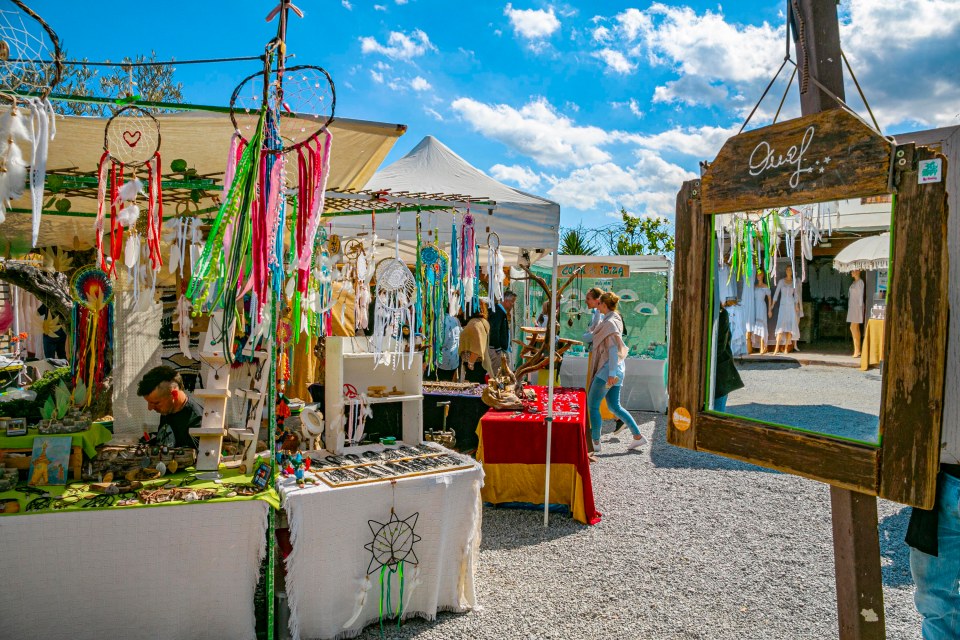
x,y
896,572
667,456
505,528
773,365
822,418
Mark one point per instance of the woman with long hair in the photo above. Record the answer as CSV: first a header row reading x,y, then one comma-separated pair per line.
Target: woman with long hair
x,y
607,368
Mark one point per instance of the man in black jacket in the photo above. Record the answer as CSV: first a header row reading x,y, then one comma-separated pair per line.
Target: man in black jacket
x,y
499,319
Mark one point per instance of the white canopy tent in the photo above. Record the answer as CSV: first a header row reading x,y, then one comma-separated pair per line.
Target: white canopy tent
x,y
434,176
522,221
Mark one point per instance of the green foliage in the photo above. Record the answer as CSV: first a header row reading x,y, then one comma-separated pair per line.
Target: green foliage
x,y
575,242
48,382
642,235
151,84
62,397
49,409
19,409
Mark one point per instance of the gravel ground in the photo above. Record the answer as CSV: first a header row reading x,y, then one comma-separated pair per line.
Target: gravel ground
x,y
839,401
691,546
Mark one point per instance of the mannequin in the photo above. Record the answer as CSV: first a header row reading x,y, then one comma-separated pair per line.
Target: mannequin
x,y
787,325
762,311
855,310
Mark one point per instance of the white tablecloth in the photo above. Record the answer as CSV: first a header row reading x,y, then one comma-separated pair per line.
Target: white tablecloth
x,y
328,589
161,573
643,387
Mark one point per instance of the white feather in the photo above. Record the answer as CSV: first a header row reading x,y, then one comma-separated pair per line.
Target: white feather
x,y
131,251
127,217
13,125
129,190
16,174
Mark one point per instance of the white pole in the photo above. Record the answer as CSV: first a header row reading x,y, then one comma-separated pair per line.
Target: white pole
x,y
551,336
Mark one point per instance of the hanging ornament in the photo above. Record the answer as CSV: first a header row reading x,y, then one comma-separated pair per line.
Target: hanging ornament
x,y
469,278
92,293
495,265
391,549
131,143
434,265
30,67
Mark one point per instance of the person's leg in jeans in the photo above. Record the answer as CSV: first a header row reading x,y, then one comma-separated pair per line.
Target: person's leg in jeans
x,y
597,392
720,404
938,577
613,404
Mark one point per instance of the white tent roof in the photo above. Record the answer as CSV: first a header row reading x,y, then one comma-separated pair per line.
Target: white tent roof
x,y
637,264
520,219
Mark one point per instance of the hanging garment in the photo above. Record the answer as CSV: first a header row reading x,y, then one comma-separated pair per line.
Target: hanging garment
x,y
787,321
855,302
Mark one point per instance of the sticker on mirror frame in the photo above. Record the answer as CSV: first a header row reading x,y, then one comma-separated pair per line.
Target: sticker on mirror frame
x,y
930,171
681,419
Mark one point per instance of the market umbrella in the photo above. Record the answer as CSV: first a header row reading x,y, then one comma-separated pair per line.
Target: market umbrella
x,y
866,254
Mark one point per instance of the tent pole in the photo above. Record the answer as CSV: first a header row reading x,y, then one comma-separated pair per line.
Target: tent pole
x,y
551,336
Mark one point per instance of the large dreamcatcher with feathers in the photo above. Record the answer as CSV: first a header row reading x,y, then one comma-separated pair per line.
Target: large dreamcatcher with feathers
x,y
279,153
131,149
92,293
30,67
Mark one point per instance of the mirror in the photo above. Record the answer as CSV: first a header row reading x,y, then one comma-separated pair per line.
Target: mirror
x,y
798,310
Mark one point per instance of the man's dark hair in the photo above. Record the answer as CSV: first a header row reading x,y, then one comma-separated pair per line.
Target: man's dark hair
x,y
509,294
157,376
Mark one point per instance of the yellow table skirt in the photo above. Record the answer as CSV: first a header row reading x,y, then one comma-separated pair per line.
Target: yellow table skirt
x,y
524,483
872,352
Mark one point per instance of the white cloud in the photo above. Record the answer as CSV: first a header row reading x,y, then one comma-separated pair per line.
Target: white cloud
x,y
523,177
379,7
399,46
420,84
433,113
648,187
632,22
601,34
537,130
533,24
497,32
615,61
401,1
691,90
635,108
377,77
346,5
700,142
382,66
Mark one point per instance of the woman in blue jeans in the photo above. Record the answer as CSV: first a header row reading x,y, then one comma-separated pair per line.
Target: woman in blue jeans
x,y
607,370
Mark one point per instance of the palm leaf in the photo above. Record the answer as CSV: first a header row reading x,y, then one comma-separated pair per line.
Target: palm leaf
x,y
80,394
62,397
48,409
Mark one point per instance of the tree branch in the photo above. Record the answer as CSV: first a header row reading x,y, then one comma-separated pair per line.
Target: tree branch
x,y
50,288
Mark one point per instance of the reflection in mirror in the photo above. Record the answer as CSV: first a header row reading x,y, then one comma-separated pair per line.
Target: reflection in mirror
x,y
799,296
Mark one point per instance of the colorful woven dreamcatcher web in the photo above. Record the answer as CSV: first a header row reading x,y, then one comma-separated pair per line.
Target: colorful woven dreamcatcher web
x,y
92,293
30,67
131,144
245,248
469,268
434,266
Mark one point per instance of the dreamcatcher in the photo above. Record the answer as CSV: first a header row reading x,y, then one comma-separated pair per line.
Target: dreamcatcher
x,y
131,141
495,264
244,250
357,274
396,299
185,240
318,305
30,63
391,550
468,268
453,282
358,410
434,265
92,293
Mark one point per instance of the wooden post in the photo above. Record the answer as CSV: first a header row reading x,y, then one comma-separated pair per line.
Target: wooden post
x,y
856,551
856,541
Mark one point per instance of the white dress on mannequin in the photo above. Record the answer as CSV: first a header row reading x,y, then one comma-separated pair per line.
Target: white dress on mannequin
x,y
855,303
787,321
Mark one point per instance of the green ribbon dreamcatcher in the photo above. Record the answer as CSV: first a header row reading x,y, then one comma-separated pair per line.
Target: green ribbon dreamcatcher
x,y
390,549
433,267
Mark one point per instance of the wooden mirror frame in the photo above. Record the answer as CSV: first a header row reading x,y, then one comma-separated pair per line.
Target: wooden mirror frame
x,y
859,162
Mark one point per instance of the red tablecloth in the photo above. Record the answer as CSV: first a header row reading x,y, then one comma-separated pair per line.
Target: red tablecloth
x,y
513,450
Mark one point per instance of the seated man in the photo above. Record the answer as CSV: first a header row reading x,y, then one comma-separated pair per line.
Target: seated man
x,y
162,388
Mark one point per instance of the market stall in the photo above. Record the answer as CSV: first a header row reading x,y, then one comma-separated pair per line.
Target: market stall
x,y
513,447
389,540
186,568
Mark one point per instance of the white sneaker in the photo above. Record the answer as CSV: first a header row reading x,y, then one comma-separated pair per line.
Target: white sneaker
x,y
637,443
596,446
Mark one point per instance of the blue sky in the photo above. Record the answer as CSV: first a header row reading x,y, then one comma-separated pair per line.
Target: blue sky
x,y
592,104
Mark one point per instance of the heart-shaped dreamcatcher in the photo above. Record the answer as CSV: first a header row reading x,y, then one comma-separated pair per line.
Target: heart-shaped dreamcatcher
x,y
131,145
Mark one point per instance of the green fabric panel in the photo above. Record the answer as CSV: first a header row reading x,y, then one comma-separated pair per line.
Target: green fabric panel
x,y
90,439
